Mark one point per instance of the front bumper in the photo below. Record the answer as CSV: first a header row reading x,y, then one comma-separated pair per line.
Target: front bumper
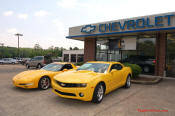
x,y
23,84
73,92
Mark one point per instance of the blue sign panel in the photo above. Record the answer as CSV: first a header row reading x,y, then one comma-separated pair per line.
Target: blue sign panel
x,y
140,23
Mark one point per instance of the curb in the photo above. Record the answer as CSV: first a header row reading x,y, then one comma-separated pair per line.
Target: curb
x,y
156,81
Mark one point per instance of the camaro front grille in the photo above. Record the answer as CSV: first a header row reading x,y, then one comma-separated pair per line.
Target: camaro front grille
x,y
66,84
63,93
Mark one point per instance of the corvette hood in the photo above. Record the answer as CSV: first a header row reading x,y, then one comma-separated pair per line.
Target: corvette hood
x,y
32,74
74,76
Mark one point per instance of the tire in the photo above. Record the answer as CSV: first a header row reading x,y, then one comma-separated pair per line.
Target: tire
x,y
27,66
39,66
128,82
98,93
146,69
44,83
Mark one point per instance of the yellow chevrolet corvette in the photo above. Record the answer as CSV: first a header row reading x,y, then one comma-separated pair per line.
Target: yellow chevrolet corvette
x,y
41,78
92,80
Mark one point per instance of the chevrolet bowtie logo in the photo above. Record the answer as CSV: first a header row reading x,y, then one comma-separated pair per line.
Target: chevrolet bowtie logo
x,y
88,28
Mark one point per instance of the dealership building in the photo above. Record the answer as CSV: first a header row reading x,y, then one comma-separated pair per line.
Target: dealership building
x,y
148,41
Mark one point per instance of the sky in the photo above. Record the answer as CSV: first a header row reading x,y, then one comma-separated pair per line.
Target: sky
x,y
47,22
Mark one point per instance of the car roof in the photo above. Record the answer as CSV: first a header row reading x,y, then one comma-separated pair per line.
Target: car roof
x,y
104,62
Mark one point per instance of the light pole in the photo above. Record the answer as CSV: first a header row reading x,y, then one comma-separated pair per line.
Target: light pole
x,y
2,44
18,34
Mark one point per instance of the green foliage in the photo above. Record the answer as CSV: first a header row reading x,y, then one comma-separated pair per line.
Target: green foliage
x,y
79,63
136,69
11,52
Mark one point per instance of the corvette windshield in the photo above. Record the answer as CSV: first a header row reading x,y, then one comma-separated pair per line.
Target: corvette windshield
x,y
52,67
96,67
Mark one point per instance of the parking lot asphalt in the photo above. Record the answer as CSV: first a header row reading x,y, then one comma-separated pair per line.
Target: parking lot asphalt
x,y
135,101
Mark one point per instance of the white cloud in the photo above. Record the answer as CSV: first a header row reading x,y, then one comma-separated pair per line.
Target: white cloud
x,y
22,16
60,25
8,13
67,3
12,30
41,13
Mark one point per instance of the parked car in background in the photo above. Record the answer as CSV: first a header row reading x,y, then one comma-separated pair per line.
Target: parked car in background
x,y
19,60
38,61
147,63
92,80
24,60
41,78
8,61
1,61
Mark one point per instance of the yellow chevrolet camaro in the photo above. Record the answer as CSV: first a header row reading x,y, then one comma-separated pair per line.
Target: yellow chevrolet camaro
x,y
92,80
41,78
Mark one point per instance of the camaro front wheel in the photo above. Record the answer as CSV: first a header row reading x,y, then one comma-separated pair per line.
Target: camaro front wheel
x,y
44,83
98,93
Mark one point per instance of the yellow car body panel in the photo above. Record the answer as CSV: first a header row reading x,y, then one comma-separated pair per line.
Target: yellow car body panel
x,y
30,79
111,80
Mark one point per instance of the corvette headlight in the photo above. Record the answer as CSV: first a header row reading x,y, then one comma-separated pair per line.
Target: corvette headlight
x,y
29,83
26,84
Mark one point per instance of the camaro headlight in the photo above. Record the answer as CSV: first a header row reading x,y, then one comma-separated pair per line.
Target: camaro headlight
x,y
63,84
82,85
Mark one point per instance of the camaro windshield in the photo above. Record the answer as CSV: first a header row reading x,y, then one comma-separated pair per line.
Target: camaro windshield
x,y
96,67
52,67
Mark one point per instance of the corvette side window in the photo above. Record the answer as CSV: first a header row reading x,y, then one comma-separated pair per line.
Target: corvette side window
x,y
67,66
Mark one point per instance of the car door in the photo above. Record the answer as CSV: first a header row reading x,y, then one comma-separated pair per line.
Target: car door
x,y
116,75
32,61
35,61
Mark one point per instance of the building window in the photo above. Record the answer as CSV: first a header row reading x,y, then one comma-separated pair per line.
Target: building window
x,y
73,57
108,50
133,49
170,56
80,57
66,57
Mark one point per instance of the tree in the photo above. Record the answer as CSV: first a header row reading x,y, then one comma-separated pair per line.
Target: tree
x,y
70,48
75,48
37,46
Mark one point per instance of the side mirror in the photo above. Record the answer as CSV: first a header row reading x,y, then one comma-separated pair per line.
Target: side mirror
x,y
113,70
65,69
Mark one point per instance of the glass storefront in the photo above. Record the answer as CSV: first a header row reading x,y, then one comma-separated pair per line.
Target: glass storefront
x,y
170,56
133,49
73,57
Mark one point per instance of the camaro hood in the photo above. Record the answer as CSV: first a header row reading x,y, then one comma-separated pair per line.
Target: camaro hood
x,y
74,76
31,74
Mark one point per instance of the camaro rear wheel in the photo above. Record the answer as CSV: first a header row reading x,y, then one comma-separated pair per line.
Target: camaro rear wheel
x,y
98,93
128,82
44,83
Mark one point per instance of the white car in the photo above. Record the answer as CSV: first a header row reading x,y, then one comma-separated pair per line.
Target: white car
x,y
8,61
